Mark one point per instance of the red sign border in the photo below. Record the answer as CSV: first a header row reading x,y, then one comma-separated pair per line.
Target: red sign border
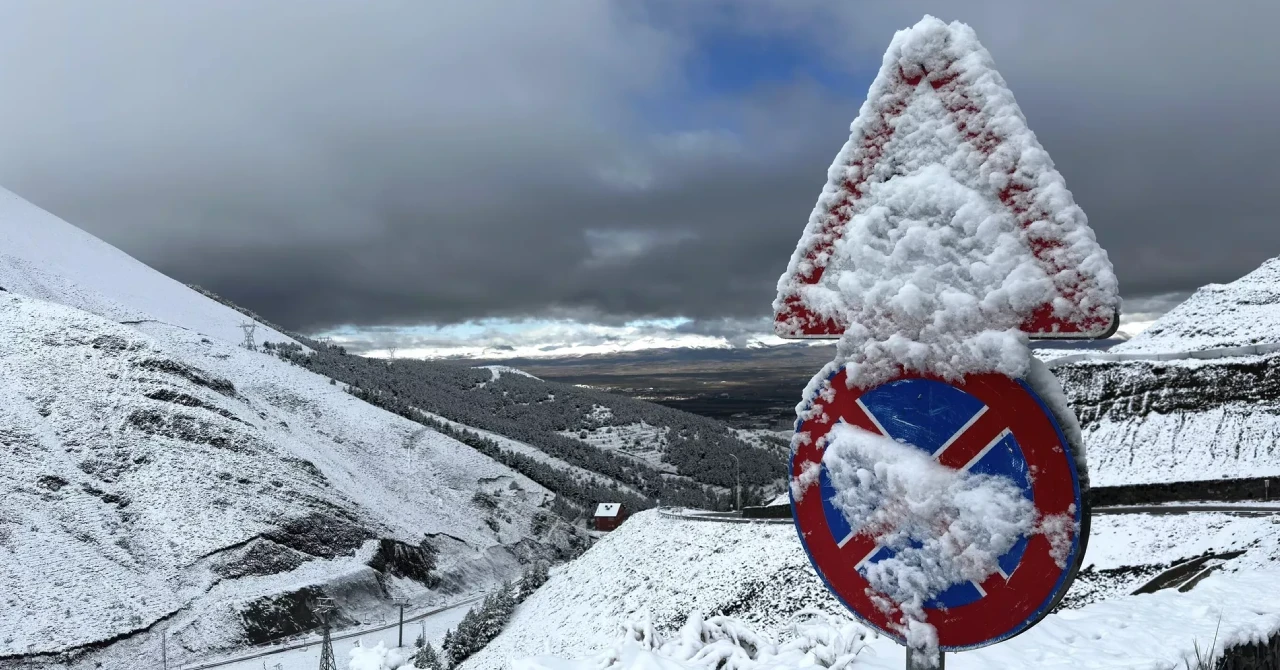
x,y
1016,196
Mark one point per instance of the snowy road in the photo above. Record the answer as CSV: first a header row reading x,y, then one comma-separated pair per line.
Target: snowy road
x,y
304,655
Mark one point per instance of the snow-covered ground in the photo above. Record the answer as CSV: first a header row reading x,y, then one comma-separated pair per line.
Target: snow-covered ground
x,y
532,452
639,440
138,470
499,370
775,440
670,568
1160,631
1223,442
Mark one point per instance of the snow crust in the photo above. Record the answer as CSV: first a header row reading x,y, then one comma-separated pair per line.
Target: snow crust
x,y
932,272
946,526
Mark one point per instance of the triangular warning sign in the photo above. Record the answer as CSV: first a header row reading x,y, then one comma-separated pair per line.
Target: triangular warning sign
x,y
939,107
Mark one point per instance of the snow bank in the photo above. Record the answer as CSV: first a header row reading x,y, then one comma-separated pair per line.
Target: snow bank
x,y
379,657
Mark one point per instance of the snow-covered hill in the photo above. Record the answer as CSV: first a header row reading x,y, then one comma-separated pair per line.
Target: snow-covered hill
x,y
1185,419
1217,316
155,475
655,452
666,569
158,477
45,257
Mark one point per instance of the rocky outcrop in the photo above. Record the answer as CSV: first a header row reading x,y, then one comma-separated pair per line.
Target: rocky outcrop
x,y
1149,422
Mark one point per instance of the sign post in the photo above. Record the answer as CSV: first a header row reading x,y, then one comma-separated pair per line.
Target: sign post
x,y
943,229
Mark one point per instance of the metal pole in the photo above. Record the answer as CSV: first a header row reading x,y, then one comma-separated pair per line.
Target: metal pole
x,y
164,649
401,602
923,660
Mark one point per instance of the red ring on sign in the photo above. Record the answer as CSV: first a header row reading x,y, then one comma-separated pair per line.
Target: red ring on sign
x,y
1008,607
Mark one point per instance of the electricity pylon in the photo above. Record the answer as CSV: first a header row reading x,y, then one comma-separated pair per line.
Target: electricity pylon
x,y
248,328
323,607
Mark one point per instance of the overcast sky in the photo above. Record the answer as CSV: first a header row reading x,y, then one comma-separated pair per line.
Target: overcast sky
x,y
437,170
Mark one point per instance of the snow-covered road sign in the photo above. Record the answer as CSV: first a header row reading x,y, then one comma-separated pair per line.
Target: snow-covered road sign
x,y
989,424
939,104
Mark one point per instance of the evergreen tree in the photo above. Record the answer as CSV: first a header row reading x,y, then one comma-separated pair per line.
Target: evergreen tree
x,y
427,658
447,649
534,576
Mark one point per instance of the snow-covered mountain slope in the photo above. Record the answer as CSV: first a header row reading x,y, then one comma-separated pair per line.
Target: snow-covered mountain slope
x,y
45,257
157,478
1185,420
670,568
1244,312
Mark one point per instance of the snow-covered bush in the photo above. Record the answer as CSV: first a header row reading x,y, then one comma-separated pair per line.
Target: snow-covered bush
x,y
721,643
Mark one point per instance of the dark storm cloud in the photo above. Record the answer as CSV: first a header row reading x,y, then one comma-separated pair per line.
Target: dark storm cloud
x,y
376,163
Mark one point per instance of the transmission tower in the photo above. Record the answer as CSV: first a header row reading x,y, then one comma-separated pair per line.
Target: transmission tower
x,y
248,327
323,607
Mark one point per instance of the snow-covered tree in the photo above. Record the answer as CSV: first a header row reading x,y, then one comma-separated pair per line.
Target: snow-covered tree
x,y
427,658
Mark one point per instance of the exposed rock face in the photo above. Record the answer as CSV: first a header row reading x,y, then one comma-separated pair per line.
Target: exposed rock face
x,y
1149,422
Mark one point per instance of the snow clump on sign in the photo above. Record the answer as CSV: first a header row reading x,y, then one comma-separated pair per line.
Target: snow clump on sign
x,y
926,242
945,526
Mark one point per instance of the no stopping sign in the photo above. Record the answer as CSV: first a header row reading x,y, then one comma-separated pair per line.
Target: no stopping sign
x,y
987,424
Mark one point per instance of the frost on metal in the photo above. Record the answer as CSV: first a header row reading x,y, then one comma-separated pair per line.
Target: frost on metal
x,y
943,218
